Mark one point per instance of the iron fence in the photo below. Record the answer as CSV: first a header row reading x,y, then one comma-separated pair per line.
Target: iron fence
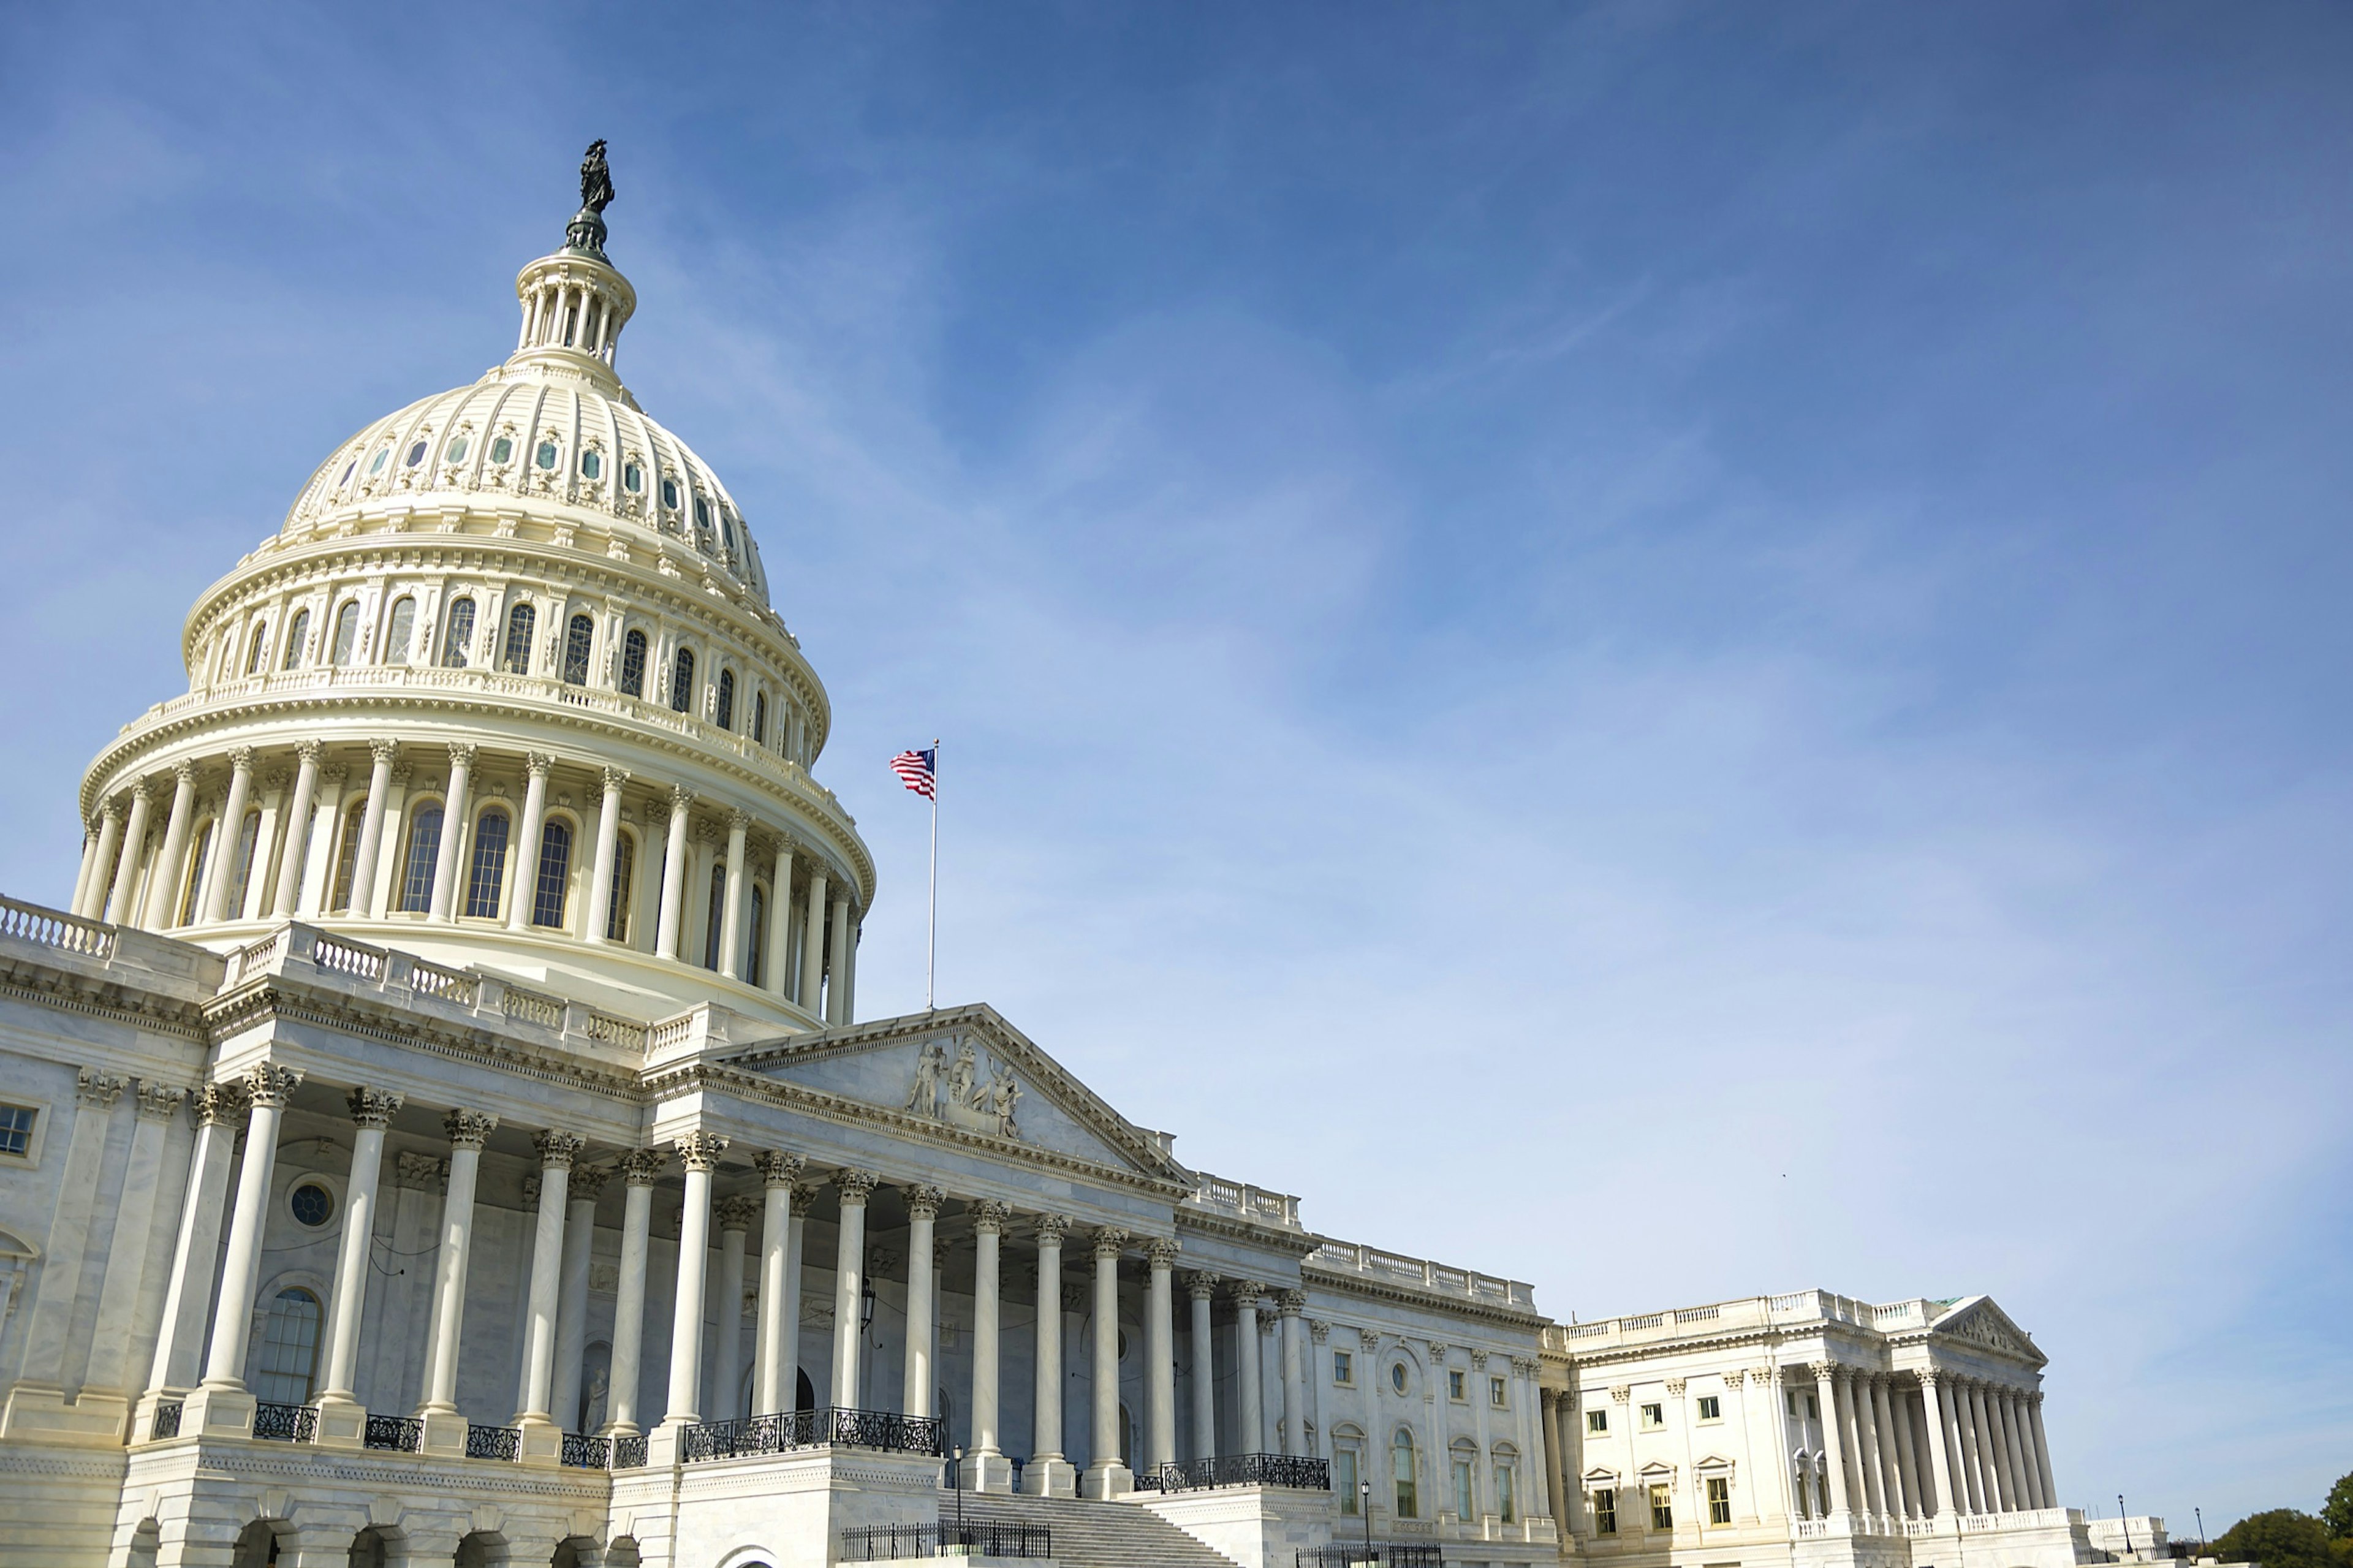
x,y
493,1442
285,1423
583,1452
812,1429
629,1453
1237,1470
890,1542
397,1433
1384,1554
167,1421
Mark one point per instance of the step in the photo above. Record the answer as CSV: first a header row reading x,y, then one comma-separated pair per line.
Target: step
x,y
1091,1534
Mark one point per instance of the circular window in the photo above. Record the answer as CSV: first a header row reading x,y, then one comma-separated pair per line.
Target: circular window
x,y
376,465
633,477
547,455
1396,1376
313,1204
592,465
457,452
501,450
669,494
417,454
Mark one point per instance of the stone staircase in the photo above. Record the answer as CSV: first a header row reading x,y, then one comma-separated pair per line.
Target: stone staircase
x,y
1091,1534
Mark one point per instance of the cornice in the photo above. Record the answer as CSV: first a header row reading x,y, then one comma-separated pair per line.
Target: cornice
x,y
1276,1238
1357,1285
70,990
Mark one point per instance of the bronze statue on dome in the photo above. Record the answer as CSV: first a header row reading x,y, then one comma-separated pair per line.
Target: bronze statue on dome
x,y
587,230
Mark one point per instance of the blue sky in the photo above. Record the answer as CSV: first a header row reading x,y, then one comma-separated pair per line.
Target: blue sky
x,y
1676,651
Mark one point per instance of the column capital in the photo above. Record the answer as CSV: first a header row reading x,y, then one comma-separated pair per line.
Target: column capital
x,y
1246,1294
241,759
1050,1229
269,1084
1438,1352
856,1186
924,1202
470,1128
1201,1285
1318,1329
160,1101
1108,1242
1763,1376
143,790
1675,1385
739,820
738,1212
588,1181
1479,1364
557,1148
1619,1393
643,1167
1160,1252
311,751
384,754
415,1170
680,797
102,1090
778,1169
538,764
1930,1376
804,1195
184,771
374,1107
989,1215
1827,1371
2034,1397
1368,1340
700,1151
615,778
218,1104
461,754
1293,1303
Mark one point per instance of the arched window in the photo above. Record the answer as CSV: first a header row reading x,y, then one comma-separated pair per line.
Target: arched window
x,y
554,874
424,853
461,634
199,860
290,1349
1402,1467
488,876
682,681
347,630
298,632
347,860
726,713
616,909
1344,1479
633,664
752,969
1466,1471
717,913
248,839
258,651
400,631
1507,1506
759,718
578,637
516,659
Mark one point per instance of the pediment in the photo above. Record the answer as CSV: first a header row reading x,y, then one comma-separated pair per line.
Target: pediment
x,y
966,1074
1600,1476
1656,1471
1977,1321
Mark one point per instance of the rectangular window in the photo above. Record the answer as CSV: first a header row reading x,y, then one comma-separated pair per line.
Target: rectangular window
x,y
1822,1495
1597,1421
1663,1507
1453,1384
1495,1392
1792,1399
17,1130
1804,1497
1344,1368
1655,1416
1711,1407
1719,1499
1465,1505
1604,1512
347,861
1504,1508
1344,1479
1813,1411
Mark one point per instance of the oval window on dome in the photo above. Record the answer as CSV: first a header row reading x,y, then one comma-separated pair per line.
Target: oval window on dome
x,y
416,454
501,450
633,477
376,465
669,494
547,455
457,452
592,465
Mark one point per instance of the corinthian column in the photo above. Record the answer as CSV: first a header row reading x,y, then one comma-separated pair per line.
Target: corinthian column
x,y
699,1151
542,1438
1842,1480
673,884
780,923
1942,1464
164,883
813,944
455,808
774,1350
90,900
1106,1476
735,1216
585,1184
1294,1380
1202,1287
837,995
222,1404
915,1384
640,1168
343,1420
2041,1449
382,753
227,835
848,1278
1049,1473
187,1297
523,896
731,915
135,843
600,874
293,835
444,1425
1246,1368
1159,1353
985,1468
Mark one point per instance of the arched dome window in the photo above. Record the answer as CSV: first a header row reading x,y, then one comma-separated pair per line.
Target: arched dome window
x,y
753,967
455,451
376,463
347,860
192,900
400,631
617,910
290,1349
501,450
633,664
1402,1468
546,455
487,877
682,681
726,712
633,478
461,634
554,874
516,660
249,839
579,636
417,454
702,514
592,464
347,630
716,915
669,494
298,632
759,718
258,650
424,854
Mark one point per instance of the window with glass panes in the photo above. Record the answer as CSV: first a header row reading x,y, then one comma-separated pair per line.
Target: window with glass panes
x,y
1719,1499
1605,1512
17,1130
1663,1507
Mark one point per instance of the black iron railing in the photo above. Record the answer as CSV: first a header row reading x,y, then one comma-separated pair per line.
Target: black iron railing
x,y
493,1442
167,1421
285,1423
1237,1470
1385,1555
885,1541
584,1452
815,1429
629,1453
397,1433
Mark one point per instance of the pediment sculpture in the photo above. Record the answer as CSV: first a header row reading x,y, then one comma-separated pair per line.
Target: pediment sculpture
x,y
972,1092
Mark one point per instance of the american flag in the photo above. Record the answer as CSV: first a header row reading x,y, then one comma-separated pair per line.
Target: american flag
x,y
915,771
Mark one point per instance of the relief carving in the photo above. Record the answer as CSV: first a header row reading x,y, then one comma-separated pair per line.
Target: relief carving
x,y
962,1093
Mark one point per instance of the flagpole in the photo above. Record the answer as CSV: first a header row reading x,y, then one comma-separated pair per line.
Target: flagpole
x,y
932,939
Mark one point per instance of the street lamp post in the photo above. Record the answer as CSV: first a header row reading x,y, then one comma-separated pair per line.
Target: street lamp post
x,y
1365,1507
2127,1523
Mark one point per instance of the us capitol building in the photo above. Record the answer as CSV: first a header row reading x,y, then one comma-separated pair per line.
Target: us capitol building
x,y
439,1129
